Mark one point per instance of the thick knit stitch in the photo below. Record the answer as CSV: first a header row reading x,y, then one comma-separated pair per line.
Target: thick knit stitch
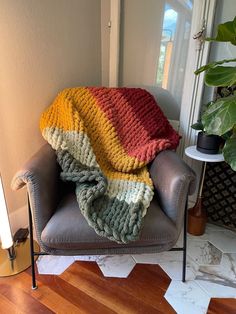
x,y
104,138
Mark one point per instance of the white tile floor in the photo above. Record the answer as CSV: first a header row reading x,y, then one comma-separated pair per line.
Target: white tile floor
x,y
211,269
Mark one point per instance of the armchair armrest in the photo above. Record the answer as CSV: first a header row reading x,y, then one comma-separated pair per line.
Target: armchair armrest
x,y
41,176
173,180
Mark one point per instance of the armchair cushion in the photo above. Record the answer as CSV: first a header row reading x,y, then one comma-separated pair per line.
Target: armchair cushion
x,y
67,229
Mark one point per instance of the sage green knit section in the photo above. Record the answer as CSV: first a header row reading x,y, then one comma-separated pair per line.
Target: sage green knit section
x,y
110,217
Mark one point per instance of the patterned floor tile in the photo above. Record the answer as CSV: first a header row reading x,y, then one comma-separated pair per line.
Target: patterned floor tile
x,y
219,281
187,298
118,266
224,240
86,258
53,265
174,270
170,262
204,252
156,258
215,288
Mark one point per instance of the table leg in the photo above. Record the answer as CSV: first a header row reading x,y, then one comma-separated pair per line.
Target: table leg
x,y
202,179
197,215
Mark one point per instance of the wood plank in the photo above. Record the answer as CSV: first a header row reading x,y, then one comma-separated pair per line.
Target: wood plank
x,y
7,306
22,300
222,306
81,300
44,294
106,291
149,278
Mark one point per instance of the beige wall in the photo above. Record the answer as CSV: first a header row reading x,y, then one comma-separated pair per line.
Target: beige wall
x,y
45,45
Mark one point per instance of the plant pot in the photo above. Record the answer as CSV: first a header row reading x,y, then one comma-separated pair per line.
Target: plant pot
x,y
208,144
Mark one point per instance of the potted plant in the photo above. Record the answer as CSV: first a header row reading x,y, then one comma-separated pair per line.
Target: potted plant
x,y
207,143
219,117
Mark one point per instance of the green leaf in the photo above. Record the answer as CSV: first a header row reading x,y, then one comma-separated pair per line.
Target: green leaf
x,y
212,65
229,152
226,32
221,76
197,126
220,117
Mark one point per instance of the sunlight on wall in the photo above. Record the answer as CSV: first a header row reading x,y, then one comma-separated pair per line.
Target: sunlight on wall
x,y
45,47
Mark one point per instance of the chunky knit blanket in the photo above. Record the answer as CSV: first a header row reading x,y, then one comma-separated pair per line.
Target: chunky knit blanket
x,y
104,138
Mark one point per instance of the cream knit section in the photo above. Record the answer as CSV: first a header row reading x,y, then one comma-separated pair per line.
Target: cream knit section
x,y
77,144
130,192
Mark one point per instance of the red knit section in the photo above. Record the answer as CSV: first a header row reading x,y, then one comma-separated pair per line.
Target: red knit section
x,y
141,126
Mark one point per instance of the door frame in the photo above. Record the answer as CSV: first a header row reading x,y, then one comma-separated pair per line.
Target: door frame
x,y
114,53
203,17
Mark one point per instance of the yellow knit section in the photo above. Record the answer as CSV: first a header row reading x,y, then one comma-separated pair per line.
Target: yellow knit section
x,y
75,108
141,175
62,115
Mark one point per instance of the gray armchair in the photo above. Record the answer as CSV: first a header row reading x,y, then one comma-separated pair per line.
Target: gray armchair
x,y
62,230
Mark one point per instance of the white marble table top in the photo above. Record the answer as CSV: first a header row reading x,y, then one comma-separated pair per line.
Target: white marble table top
x,y
192,152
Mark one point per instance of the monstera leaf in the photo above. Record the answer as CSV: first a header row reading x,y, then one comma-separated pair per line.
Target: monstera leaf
x,y
220,117
229,152
226,32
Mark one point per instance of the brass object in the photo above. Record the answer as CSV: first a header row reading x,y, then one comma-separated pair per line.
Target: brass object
x,y
21,261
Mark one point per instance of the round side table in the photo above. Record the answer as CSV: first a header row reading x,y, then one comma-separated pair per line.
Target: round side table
x,y
197,215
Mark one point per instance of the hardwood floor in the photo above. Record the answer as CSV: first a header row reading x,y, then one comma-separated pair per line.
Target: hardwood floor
x,y
223,306
83,289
